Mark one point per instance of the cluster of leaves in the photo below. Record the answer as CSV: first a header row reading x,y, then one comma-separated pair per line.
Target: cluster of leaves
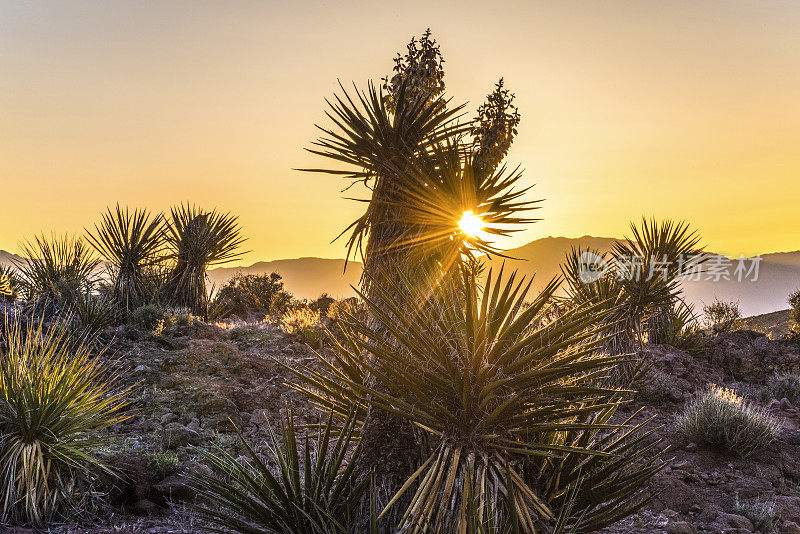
x,y
54,399
721,316
639,281
721,418
418,75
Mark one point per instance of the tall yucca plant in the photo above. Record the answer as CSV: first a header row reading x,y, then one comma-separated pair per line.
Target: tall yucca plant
x,y
314,488
131,244
510,403
56,271
54,399
197,240
425,169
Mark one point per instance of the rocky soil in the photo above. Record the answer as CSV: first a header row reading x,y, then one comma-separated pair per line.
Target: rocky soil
x,y
195,385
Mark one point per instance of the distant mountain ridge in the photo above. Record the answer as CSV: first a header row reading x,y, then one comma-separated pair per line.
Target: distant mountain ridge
x,y
779,274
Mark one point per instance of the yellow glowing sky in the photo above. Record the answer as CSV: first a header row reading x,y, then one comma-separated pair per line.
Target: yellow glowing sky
x,y
667,108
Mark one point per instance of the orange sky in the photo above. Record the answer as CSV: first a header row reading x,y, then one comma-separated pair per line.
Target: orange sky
x,y
681,109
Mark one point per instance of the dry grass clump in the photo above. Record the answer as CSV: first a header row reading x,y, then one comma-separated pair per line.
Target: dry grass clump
x,y
783,387
721,418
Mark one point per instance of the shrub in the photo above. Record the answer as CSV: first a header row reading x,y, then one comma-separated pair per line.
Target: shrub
x,y
147,317
305,324
93,314
163,464
252,294
56,272
322,304
721,316
783,387
761,515
54,401
794,302
721,418
313,489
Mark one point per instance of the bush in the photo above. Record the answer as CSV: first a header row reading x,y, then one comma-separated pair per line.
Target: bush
x,y
761,515
322,304
783,387
681,330
306,324
721,316
252,294
721,418
147,317
54,400
794,302
163,464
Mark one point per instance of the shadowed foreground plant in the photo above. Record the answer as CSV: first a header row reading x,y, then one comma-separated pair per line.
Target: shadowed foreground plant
x,y
56,271
510,404
311,490
197,239
54,399
130,243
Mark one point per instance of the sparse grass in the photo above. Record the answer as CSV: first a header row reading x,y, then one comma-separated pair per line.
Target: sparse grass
x,y
762,515
721,418
147,317
54,399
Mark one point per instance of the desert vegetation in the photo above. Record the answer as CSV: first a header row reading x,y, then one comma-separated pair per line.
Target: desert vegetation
x,y
446,397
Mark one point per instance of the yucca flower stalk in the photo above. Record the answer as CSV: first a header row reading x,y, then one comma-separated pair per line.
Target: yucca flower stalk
x,y
7,290
56,271
131,243
55,399
511,403
197,240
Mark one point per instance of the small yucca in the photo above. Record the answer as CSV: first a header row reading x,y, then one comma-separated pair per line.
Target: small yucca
x,y
721,418
54,399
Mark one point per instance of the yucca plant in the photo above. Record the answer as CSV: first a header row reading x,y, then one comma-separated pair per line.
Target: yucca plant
x,y
427,171
92,314
511,405
56,271
197,240
313,488
649,265
54,400
682,330
131,244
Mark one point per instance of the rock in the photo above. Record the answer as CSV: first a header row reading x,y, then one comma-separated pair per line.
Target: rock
x,y
168,418
143,508
176,435
733,523
789,527
680,527
142,369
787,507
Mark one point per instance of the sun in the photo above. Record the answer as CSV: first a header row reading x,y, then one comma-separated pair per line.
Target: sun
x,y
470,224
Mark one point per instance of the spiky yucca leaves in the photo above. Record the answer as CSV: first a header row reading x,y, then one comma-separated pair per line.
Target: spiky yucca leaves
x,y
648,266
313,490
502,396
683,330
198,239
54,399
56,271
131,244
92,314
